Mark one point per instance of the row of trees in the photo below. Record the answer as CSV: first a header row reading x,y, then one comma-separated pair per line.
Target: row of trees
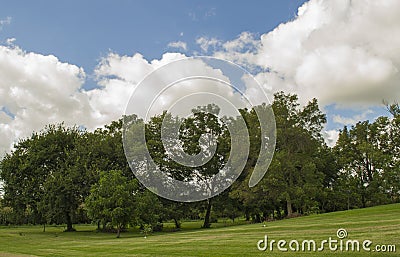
x,y
67,175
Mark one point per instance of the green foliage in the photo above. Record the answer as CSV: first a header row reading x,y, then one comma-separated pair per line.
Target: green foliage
x,y
295,176
6,215
112,199
148,209
368,159
146,230
48,176
203,120
64,175
40,178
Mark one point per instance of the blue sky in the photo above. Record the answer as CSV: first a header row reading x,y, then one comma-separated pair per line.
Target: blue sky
x,y
67,60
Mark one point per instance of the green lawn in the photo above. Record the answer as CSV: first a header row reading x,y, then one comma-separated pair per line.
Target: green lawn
x,y
379,224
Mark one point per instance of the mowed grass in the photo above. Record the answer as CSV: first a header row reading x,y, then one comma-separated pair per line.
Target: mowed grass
x,y
379,224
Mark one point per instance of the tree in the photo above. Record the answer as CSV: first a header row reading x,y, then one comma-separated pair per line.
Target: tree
x,y
41,178
148,210
175,211
112,199
295,175
6,214
22,183
390,141
393,109
65,183
367,156
299,140
192,141
205,120
255,201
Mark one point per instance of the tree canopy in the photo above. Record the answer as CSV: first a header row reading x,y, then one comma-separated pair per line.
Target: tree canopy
x,y
67,175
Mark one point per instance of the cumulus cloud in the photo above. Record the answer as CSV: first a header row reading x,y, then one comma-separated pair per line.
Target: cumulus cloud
x,y
118,80
36,90
239,50
341,52
10,41
338,51
207,43
118,76
180,45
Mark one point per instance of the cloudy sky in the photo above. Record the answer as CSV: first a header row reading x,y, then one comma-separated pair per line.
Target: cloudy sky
x,y
79,61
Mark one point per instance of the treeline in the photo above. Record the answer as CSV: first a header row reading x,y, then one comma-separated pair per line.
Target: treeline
x,y
67,175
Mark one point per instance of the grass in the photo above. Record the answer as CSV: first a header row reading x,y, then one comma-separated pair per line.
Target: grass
x,y
379,224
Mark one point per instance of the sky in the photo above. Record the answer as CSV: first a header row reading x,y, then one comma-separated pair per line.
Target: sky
x,y
78,62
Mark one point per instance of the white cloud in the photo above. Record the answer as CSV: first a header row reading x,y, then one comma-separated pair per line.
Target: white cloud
x,y
118,76
118,82
343,52
10,41
206,43
331,137
5,21
36,90
345,121
238,50
245,40
241,50
180,45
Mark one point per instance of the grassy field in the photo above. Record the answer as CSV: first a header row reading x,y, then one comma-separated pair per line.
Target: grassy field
x,y
379,224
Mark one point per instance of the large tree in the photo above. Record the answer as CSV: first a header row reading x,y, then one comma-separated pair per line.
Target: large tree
x,y
112,199
295,175
48,175
192,130
41,178
367,156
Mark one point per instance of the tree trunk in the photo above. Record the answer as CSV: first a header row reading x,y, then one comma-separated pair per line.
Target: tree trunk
x,y
104,224
177,223
69,222
44,227
348,201
118,231
208,214
279,213
247,214
289,207
363,200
